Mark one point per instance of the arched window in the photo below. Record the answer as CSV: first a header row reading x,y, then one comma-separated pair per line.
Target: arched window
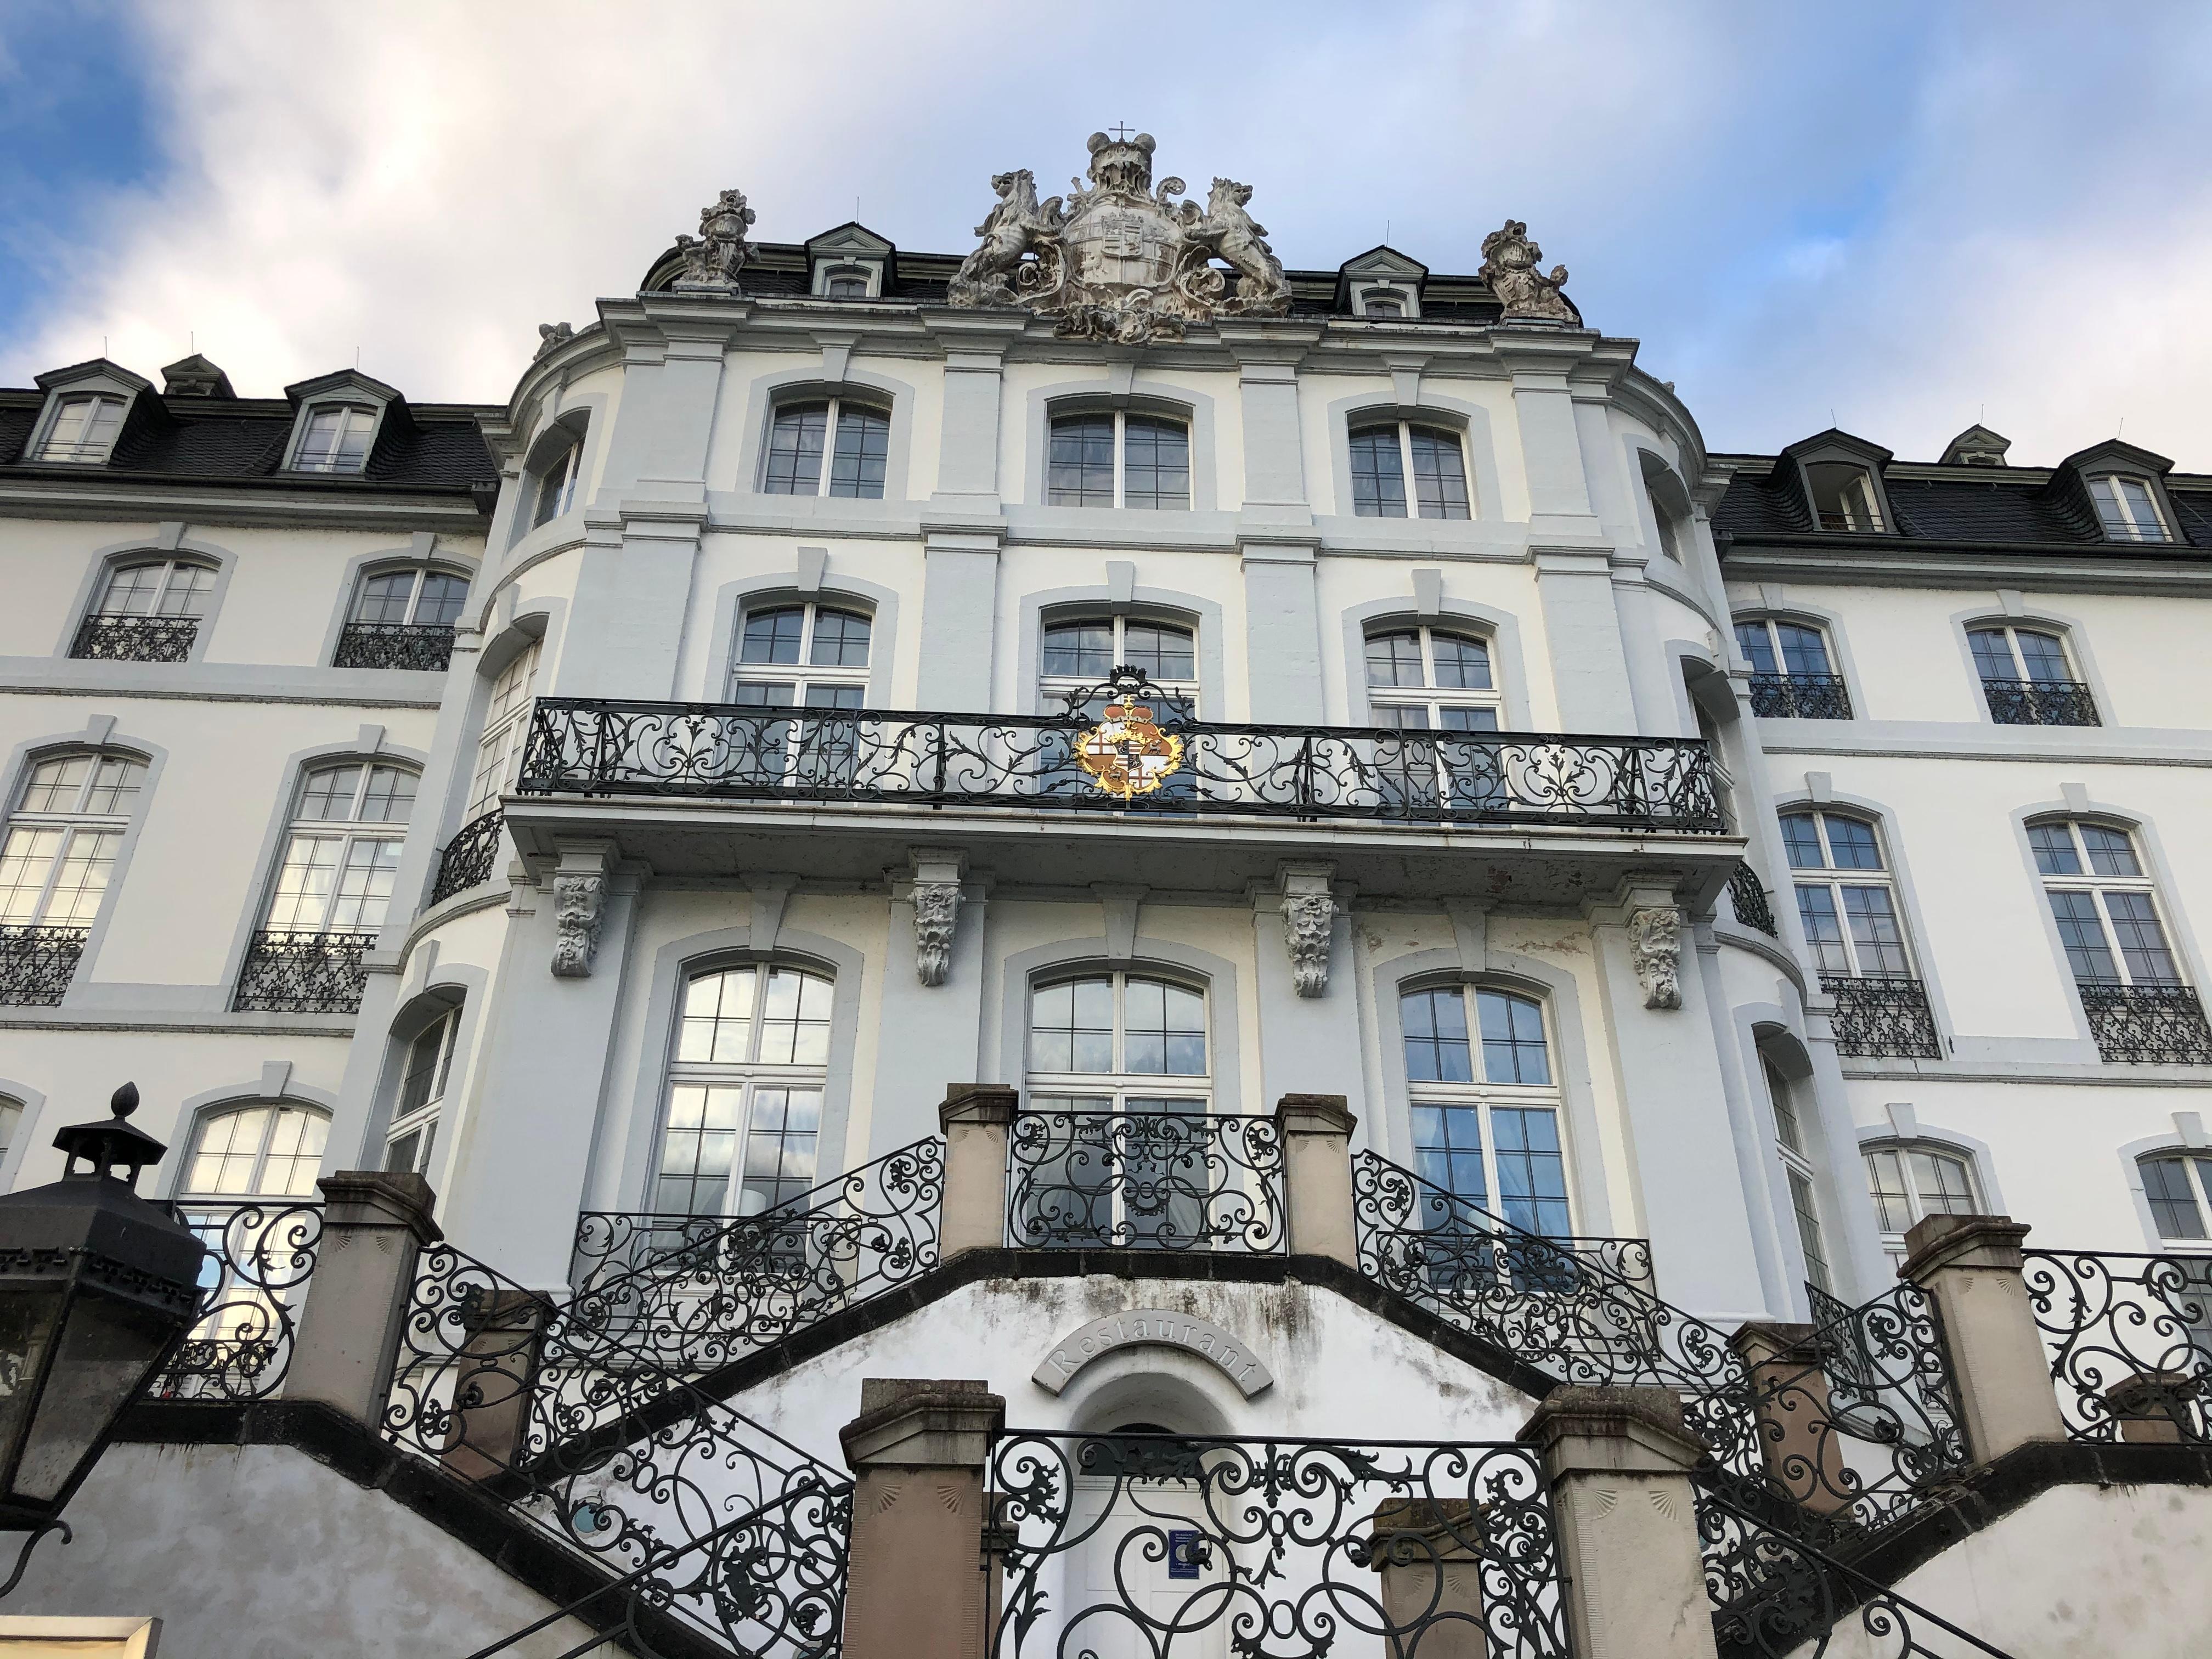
x,y
845,283
1118,1041
1797,1170
1383,307
2178,1186
1485,1099
1670,539
2127,509
1844,497
259,1150
1079,652
1912,1180
336,439
1118,459
414,1129
2027,679
2106,906
1384,454
1792,674
808,656
506,731
348,822
402,618
149,611
556,483
84,428
1847,903
752,1053
1431,679
856,436
56,859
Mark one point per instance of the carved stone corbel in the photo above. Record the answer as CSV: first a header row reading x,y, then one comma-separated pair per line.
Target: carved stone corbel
x,y
936,894
580,905
1308,924
1655,946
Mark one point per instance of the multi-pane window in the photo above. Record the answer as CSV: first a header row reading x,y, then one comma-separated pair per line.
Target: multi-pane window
x,y
1119,459
2179,1188
1797,1171
812,656
1792,676
1118,1041
336,439
414,1130
2127,509
1909,1183
344,851
744,1092
1431,679
2104,904
416,598
2027,679
1385,455
1844,497
1485,1103
855,437
84,428
1389,306
157,587
63,837
271,1152
1078,654
1845,897
506,731
557,485
845,285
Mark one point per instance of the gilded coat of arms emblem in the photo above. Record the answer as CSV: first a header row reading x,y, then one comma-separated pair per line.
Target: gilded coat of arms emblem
x,y
1127,754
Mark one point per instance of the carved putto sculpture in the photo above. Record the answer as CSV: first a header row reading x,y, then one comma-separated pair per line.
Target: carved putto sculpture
x,y
1118,261
1655,948
553,336
714,256
1510,264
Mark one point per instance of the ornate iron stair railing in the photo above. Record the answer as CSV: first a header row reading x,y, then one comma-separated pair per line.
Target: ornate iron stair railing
x,y
261,1252
1148,1180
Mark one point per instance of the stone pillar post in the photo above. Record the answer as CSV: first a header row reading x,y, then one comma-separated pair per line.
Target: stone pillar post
x,y
977,1118
1619,1463
1317,1135
1427,1552
374,1226
1797,1436
918,1451
1970,1265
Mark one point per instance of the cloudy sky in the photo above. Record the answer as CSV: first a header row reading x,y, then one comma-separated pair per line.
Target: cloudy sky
x,y
1908,216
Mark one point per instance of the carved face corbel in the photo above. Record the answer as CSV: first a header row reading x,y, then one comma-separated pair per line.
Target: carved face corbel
x,y
1655,943
580,903
1309,924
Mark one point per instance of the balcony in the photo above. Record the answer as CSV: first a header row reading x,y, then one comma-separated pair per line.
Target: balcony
x,y
1883,1014
136,639
425,648
1749,900
675,779
2040,702
2148,1024
471,858
38,963
303,974
1800,697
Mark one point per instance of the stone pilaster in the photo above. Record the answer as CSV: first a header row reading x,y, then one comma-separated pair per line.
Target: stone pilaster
x,y
374,1227
977,1118
1970,1265
1316,1136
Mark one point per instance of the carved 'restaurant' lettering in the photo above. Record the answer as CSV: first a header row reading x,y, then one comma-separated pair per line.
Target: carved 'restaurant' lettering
x,y
1153,1326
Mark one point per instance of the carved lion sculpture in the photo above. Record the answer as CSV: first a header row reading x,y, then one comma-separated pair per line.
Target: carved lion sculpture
x,y
1234,236
1011,231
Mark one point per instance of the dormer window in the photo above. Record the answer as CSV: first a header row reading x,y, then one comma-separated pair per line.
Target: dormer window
x,y
845,285
1844,497
84,428
2127,509
336,439
1382,306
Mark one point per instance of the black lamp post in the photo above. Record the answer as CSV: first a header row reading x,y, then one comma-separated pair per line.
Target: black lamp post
x,y
97,1288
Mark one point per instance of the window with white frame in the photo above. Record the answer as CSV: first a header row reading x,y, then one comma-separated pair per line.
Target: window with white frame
x,y
506,731
1772,646
2127,509
417,597
1119,459
846,282
1485,1103
1379,302
1670,539
2178,1186
413,1133
11,1121
810,656
556,483
1910,1181
855,436
1844,497
63,836
273,1150
1386,454
2028,678
157,587
1431,679
1118,1042
1798,1174
343,852
1846,896
1079,653
2105,903
744,1115
85,428
336,439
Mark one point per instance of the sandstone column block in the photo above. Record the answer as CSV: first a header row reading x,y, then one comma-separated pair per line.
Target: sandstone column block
x,y
374,1227
1316,1136
1970,1265
977,1118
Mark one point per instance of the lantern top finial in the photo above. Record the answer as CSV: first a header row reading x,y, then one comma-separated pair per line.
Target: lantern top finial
x,y
106,1146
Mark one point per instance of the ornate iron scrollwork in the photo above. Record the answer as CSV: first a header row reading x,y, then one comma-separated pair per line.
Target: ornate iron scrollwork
x,y
1800,697
303,973
2148,1024
136,639
2040,702
1145,1180
1749,900
425,647
471,858
2130,1340
1882,1014
38,963
260,1256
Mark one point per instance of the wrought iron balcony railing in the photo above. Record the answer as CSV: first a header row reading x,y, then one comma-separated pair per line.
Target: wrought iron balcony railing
x,y
1074,763
2148,1024
303,974
1800,697
1883,1014
38,963
1749,900
136,639
426,646
470,857
1145,1180
2040,702
260,1254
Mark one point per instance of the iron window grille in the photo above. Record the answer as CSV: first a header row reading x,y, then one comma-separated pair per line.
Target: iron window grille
x,y
37,964
2148,1024
1749,900
135,639
289,973
471,857
425,648
2040,702
1882,1014
2027,679
1800,697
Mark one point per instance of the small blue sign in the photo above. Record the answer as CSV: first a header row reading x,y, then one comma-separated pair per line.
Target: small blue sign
x,y
1185,1554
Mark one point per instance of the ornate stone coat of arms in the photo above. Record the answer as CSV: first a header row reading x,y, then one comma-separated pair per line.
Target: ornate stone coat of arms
x,y
1117,260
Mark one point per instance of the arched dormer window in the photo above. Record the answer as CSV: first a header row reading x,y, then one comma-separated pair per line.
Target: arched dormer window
x,y
1385,454
84,428
855,436
1484,1101
64,831
743,1109
1119,458
845,283
336,438
1844,497
2127,509
148,609
403,616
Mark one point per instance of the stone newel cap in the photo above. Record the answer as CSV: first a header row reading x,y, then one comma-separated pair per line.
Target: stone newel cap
x,y
1612,1430
379,1198
912,1423
1762,1341
1314,1114
977,1103
1962,1240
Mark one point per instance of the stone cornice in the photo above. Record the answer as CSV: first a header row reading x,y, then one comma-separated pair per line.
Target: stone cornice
x,y
278,502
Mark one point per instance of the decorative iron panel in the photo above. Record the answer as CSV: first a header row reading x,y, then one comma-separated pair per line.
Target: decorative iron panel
x,y
136,639
624,1463
1800,697
2130,1339
1882,1014
1749,900
725,751
425,647
38,963
1269,1548
2040,702
261,1255
2148,1024
693,1292
1145,1180
303,974
470,857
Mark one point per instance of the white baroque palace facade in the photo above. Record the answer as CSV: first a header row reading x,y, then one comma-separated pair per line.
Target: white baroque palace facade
x,y
1116,668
